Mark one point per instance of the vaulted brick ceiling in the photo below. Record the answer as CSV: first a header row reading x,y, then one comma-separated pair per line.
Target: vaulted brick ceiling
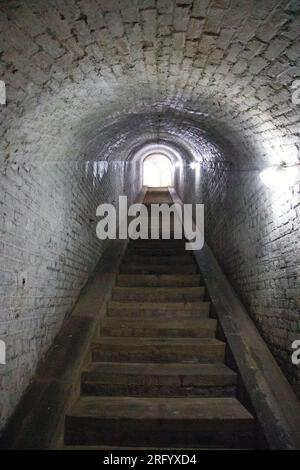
x,y
88,77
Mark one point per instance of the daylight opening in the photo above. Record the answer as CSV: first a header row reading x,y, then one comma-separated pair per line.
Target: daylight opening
x,y
157,171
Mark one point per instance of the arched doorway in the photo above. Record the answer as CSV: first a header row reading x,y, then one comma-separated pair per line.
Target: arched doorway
x,y
157,171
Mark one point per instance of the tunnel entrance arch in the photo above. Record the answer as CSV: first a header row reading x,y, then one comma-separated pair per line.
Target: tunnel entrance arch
x,y
157,171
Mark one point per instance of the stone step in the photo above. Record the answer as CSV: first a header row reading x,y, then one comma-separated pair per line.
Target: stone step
x,y
149,259
190,268
155,253
150,380
162,249
166,250
173,422
188,350
158,294
157,243
170,310
120,326
158,280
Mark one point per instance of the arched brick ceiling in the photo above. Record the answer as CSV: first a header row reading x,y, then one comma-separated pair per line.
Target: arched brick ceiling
x,y
122,139
209,73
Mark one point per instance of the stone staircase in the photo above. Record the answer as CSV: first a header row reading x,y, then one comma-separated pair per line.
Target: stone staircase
x,y
157,377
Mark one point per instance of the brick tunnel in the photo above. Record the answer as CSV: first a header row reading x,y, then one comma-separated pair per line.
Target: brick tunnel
x,y
90,88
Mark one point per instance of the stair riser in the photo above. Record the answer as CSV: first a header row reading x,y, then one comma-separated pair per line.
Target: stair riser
x,y
146,260
125,384
157,295
172,297
159,269
157,244
158,433
158,283
167,314
159,251
160,354
158,332
200,311
152,390
156,252
162,280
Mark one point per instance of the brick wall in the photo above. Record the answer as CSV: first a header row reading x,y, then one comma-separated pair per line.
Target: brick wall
x,y
254,233
48,249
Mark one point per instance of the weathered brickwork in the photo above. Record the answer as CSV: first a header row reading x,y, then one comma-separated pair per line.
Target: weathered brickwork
x,y
48,249
71,67
94,80
254,232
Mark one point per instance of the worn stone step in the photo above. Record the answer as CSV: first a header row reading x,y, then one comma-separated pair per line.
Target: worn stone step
x,y
166,250
163,248
157,253
177,380
149,259
156,243
157,250
190,350
174,422
159,269
158,294
170,310
120,326
158,280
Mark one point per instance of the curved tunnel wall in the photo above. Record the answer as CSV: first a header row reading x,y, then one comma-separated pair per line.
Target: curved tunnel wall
x,y
90,82
253,231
